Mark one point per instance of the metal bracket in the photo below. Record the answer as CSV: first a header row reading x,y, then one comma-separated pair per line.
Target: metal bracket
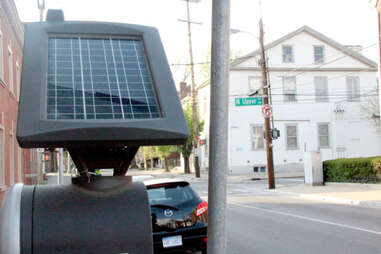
x,y
88,159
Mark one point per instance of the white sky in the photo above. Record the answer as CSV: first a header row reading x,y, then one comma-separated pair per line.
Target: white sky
x,y
346,21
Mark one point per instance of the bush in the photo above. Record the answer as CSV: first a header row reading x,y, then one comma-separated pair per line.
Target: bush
x,y
354,170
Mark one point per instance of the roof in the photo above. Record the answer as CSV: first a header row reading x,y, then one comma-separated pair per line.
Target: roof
x,y
313,33
316,35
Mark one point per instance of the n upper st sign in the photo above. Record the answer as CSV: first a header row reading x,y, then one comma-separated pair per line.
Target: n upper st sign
x,y
251,101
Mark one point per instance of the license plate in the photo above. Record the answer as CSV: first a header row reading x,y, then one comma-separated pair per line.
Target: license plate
x,y
172,241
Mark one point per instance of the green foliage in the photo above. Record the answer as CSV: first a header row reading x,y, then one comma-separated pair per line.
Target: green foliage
x,y
149,152
164,151
356,170
186,149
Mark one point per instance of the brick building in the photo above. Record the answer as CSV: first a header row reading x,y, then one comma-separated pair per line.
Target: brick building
x,y
16,164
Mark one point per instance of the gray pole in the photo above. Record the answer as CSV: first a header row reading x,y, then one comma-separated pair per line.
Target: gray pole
x,y
60,166
41,7
218,161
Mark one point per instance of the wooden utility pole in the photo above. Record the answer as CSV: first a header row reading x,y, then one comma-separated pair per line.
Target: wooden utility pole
x,y
266,88
194,96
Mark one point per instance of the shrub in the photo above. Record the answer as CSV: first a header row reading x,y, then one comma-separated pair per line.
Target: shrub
x,y
354,170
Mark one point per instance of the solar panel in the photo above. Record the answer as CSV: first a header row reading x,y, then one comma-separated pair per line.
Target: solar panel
x,y
99,78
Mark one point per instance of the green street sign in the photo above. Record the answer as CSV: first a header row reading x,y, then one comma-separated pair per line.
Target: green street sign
x,y
251,101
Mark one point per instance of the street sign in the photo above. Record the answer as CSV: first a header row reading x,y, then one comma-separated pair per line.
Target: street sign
x,y
249,101
267,110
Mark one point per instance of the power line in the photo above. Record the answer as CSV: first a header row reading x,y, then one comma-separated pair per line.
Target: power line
x,y
332,78
295,69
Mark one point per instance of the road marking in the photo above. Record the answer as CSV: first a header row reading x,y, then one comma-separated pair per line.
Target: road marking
x,y
308,218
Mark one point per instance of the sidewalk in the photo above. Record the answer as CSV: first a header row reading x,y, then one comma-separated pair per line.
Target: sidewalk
x,y
344,193
179,173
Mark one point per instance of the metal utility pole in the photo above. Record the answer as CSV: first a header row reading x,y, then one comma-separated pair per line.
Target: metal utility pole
x,y
41,6
218,160
266,88
60,165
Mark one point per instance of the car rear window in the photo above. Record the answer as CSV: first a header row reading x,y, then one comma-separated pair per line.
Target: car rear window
x,y
172,194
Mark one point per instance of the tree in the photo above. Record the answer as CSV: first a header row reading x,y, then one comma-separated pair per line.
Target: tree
x,y
149,153
186,150
163,152
371,110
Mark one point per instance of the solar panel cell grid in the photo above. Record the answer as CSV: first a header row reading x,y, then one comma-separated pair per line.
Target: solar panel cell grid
x,y
105,78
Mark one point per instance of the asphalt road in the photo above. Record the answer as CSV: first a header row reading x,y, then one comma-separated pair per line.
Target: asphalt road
x,y
261,222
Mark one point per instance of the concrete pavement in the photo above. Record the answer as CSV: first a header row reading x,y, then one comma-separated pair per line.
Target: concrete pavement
x,y
344,193
280,224
260,221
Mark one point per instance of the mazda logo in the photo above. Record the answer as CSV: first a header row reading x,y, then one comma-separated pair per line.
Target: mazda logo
x,y
168,213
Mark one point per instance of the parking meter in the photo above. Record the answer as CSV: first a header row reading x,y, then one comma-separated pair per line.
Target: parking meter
x,y
109,215
100,90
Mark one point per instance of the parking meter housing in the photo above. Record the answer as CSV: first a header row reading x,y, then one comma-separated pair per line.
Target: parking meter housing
x,y
109,215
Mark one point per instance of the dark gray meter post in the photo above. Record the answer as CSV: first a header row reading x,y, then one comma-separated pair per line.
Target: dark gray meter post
x,y
100,90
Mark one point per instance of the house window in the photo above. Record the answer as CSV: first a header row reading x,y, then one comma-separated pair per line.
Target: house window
x,y
256,133
2,152
323,132
291,137
353,88
10,64
319,54
289,89
19,164
287,54
321,89
18,80
12,159
1,58
255,84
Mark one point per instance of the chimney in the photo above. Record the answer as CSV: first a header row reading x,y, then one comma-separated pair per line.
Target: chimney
x,y
183,90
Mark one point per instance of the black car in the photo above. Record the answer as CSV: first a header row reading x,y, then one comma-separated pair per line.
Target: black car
x,y
179,216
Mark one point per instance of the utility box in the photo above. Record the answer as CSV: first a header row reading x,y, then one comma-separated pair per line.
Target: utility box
x,y
313,168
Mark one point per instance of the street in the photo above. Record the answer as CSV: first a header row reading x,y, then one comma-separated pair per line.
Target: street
x,y
259,221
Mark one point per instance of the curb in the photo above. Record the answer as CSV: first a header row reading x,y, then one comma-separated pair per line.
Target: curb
x,y
330,199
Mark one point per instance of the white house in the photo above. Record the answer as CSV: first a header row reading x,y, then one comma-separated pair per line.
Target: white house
x,y
323,96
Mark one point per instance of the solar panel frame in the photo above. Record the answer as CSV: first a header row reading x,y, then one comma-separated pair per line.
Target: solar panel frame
x,y
35,130
147,102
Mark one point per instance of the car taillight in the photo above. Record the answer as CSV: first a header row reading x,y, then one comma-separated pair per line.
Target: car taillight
x,y
202,208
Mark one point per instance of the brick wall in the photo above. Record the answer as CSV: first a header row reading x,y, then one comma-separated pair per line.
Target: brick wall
x,y
15,169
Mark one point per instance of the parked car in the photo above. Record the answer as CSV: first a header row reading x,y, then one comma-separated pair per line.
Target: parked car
x,y
179,216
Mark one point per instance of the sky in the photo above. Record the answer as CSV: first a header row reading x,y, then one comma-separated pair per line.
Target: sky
x,y
350,22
